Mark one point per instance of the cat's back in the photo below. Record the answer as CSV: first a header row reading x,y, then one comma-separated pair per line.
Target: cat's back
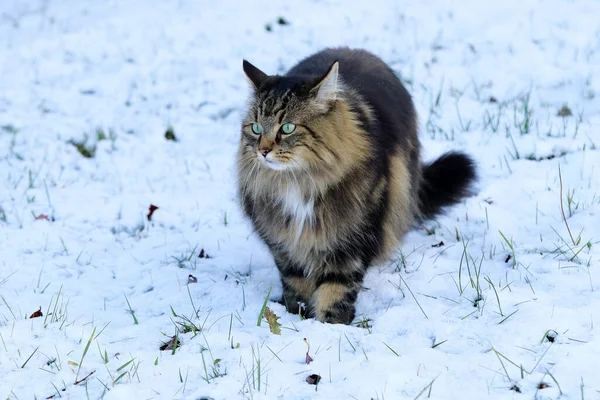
x,y
357,67
369,76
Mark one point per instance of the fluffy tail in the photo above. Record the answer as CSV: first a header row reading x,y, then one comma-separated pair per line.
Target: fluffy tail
x,y
446,181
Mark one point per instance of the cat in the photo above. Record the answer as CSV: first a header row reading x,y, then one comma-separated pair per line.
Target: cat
x,y
329,173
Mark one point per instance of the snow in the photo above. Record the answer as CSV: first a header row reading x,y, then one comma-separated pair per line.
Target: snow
x,y
458,321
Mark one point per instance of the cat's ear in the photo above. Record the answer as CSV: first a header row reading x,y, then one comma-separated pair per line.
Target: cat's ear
x,y
254,75
327,88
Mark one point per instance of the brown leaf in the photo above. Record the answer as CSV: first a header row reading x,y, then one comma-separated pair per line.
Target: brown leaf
x,y
170,135
203,254
151,211
192,279
308,358
172,343
564,111
440,244
313,379
551,336
274,326
37,314
516,388
365,323
42,216
543,385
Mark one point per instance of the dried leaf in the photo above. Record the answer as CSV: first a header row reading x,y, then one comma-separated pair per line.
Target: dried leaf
x,y
203,254
543,385
192,279
151,211
564,111
170,135
313,379
42,216
308,358
551,336
274,326
516,388
172,343
440,244
37,314
365,324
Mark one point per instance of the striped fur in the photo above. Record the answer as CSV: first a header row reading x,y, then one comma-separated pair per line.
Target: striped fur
x,y
338,193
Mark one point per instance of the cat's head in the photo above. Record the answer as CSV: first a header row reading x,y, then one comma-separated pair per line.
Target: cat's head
x,y
293,122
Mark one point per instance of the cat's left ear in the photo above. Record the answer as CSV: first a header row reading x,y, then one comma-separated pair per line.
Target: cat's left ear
x,y
254,75
327,88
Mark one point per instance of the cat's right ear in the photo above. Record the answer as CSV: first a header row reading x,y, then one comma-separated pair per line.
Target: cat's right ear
x,y
254,75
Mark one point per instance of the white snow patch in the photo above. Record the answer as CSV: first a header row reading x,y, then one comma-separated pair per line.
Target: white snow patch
x,y
486,77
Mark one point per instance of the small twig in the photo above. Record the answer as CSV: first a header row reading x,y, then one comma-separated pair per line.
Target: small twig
x,y
85,377
562,210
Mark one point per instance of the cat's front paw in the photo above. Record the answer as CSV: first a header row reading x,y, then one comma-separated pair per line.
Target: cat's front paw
x,y
339,315
334,303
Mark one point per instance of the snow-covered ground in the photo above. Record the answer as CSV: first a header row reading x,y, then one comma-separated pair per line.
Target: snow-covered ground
x,y
507,307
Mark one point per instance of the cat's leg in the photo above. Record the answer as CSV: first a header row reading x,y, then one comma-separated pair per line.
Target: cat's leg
x,y
334,298
297,289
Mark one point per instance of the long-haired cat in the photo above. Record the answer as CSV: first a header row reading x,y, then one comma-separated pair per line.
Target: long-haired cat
x,y
330,175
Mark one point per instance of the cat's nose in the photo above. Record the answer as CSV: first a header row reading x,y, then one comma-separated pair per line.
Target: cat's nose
x,y
264,150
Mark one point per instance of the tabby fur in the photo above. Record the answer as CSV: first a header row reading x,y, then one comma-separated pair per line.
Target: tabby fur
x,y
338,193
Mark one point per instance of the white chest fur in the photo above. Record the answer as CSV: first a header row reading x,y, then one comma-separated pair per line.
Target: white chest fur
x,y
301,211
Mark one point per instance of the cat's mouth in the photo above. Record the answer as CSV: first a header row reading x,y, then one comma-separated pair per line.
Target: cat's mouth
x,y
272,163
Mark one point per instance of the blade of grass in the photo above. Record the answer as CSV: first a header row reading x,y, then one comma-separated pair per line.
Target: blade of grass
x,y
85,350
413,295
262,310
429,386
508,316
562,209
29,358
392,350
135,321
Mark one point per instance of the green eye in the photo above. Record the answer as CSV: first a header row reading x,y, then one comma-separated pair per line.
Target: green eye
x,y
256,128
288,128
